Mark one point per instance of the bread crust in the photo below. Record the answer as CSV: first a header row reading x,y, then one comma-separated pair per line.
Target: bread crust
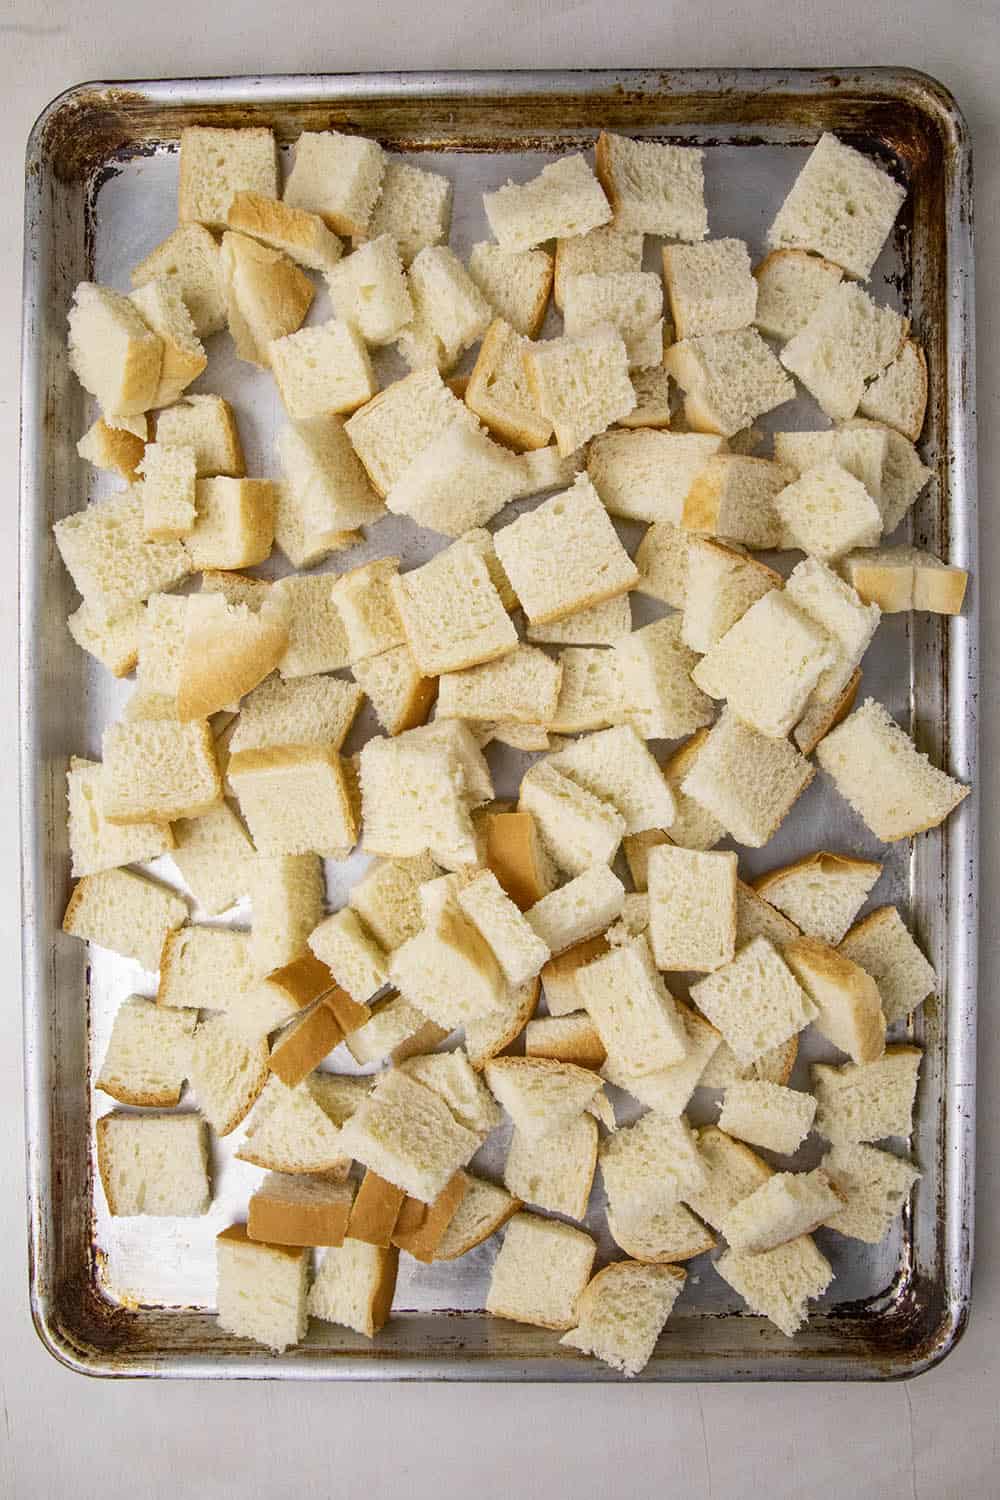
x,y
237,1234
281,226
819,725
420,1227
219,667
816,860
375,1211
512,853
278,1222
859,991
303,1044
303,980
518,428
351,1014
585,1051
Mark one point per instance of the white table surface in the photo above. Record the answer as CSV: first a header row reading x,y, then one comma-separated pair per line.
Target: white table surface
x,y
936,1437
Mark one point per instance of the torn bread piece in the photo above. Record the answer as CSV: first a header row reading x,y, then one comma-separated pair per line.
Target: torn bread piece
x,y
653,188
112,642
158,771
392,429
416,795
731,1173
514,853
521,688
839,610
823,715
168,492
778,1284
883,947
325,494
234,523
375,1210
600,625
650,1165
828,513
113,352
519,951
622,1312
227,652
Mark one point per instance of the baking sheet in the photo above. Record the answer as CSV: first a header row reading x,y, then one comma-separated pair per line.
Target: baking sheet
x,y
131,1295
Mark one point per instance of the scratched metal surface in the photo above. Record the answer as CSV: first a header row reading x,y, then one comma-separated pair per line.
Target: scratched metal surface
x,y
131,1295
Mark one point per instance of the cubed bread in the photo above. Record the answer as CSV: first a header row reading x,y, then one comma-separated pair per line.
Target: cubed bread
x,y
580,385
267,296
653,188
352,954
154,1164
564,199
338,177
632,1009
883,947
659,1237
668,1090
234,523
451,1076
389,432
722,585
114,448
630,302
164,311
652,396
602,251
109,559
414,207
841,205
848,622
822,893
452,613
867,1102
294,798
302,711
406,1133
500,393
400,694
694,826
300,235
733,496
448,971
572,1038
326,493
375,1210
846,998
486,1036
449,311
322,370
862,451
189,256
875,1185
516,284
904,476
879,771
787,1205
149,1054
578,829
113,351
205,423
560,976
420,1226
790,286
459,481
616,766
660,699
754,1000
590,691
286,893
215,164
649,1165
779,1283
692,908
565,555
766,1114
316,637
622,1312
578,910
731,1173
303,1044
414,798
280,996
601,624
848,340
556,1172
386,900
748,781
369,292
522,687
204,968
95,844
661,558
518,950
545,469
298,1131
168,492
729,379
710,287
228,1070
158,771
898,397
822,715
261,1293
228,650
645,475
515,854
299,1211
540,1272
396,1029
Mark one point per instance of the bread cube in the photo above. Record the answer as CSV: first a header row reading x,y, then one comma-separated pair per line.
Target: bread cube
x,y
326,493
407,1134
788,1205
452,613
189,257
459,481
148,1056
267,296
649,1165
875,1184
668,1090
570,1038
661,558
616,766
109,559
653,188
338,177
389,432
601,624
602,251
519,951
747,781
399,692
500,393
303,711
414,207
95,844
555,1173
261,1289
286,894
898,397
234,524
521,688
163,309
778,1284
153,1164
767,1115
369,291
790,286
204,968
577,828
228,1072
645,475
294,798
660,699
215,164
540,1272
168,492
516,284
564,199
449,310
590,693
113,352
710,287
847,999
734,496
578,910
722,586
299,1211
622,1312
692,908
632,1009
322,371
206,424
317,640
114,448
883,947
448,971
822,893
300,235
754,1000
841,206
158,771
631,302
904,476
728,379
580,385
307,1039
351,953
847,340
299,1131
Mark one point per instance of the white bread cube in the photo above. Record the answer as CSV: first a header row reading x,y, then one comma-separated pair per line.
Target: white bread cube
x,y
590,694
204,968
228,1072
363,598
731,1173
822,893
228,650
406,1133
632,1009
326,493
416,792
518,950
841,206
414,207
513,850
168,492
787,1205
767,664
298,1130
354,957
561,974
485,1036
516,284
149,1054
584,907
545,469
652,395
887,577
847,999
728,379
267,296
878,769
451,1076
668,1090
555,1173
733,496
564,199
261,1293
875,1184
448,971
565,555
747,781
616,766
847,340
692,908
399,692
599,625
322,370
459,481
790,286
648,1166
206,424
299,1211
158,771
630,302
95,844
369,291
521,688
115,448
316,639
163,310
767,1115
303,711
848,622
722,584
109,559
898,397
710,287
281,996
355,1285
543,1097
452,613
661,558
602,251
154,1164
755,1001
215,164
449,311
659,1238
694,826
903,475
294,798
540,1273
828,513
234,525
389,432
286,894
646,475
660,699
113,351
776,1065
862,451
779,1283
622,1312
396,1029
189,257
300,235
653,188
580,385
338,177
883,947
823,714
572,1038
577,828
500,392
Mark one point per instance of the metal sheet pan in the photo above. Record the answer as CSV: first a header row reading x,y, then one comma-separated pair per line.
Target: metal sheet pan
x,y
133,1297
